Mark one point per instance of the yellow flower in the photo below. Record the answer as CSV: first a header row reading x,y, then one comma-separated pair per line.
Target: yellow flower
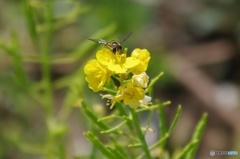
x,y
143,56
96,75
117,63
130,94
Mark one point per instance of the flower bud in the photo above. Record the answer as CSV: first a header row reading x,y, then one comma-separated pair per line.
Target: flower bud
x,y
146,100
140,80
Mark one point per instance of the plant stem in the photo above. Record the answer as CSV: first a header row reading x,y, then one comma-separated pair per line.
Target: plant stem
x,y
45,59
140,133
47,95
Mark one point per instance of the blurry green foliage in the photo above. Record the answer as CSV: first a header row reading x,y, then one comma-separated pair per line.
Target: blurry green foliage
x,y
32,125
128,15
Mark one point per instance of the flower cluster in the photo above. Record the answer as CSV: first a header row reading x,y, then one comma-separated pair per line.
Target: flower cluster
x,y
120,74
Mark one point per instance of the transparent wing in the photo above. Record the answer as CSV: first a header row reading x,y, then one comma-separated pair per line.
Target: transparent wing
x,y
124,37
100,41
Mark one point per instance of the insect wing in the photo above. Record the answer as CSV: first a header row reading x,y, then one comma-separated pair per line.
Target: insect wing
x,y
124,37
100,41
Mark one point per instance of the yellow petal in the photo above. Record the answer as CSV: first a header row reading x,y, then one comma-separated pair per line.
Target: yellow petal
x,y
96,75
143,56
105,56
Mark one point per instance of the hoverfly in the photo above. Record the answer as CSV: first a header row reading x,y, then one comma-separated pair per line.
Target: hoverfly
x,y
115,45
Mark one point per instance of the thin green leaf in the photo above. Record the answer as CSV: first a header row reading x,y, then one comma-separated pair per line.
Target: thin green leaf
x,y
94,153
111,117
152,82
197,135
114,129
97,143
18,60
14,53
187,149
152,107
29,15
117,154
175,119
118,146
137,145
94,118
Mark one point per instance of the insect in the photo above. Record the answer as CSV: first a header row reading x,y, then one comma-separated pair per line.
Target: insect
x,y
115,45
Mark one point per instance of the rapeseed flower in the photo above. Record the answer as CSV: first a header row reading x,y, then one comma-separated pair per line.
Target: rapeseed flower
x,y
130,95
97,75
116,63
129,72
143,56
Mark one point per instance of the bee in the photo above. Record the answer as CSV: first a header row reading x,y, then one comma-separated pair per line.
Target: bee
x,y
115,45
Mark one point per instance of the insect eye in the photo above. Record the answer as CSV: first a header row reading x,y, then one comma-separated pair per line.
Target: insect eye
x,y
119,47
114,49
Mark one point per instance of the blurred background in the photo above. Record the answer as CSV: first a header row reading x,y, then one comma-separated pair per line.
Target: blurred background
x,y
195,43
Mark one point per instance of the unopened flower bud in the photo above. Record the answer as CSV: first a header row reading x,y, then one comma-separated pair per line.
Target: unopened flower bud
x,y
140,80
146,100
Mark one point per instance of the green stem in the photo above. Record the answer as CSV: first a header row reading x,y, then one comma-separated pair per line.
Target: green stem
x,y
46,79
123,112
150,116
162,124
17,60
163,139
109,90
140,133
45,59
